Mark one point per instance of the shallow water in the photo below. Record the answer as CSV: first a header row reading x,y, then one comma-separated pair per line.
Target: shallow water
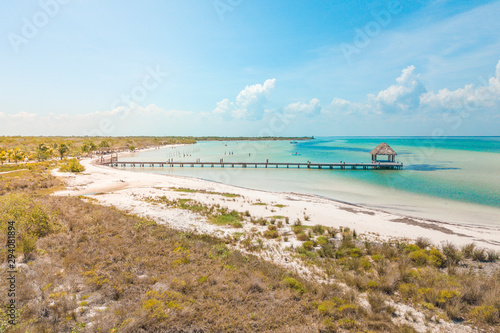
x,y
450,179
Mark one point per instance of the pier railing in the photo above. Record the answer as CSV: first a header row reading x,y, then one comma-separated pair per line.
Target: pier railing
x,y
113,162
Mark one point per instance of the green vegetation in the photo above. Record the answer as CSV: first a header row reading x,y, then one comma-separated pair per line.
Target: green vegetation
x,y
189,190
214,213
18,148
91,267
439,282
71,165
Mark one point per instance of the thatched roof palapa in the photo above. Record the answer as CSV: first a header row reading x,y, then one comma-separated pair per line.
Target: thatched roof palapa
x,y
383,149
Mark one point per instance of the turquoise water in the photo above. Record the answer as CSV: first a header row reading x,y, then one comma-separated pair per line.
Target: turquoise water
x,y
457,168
459,173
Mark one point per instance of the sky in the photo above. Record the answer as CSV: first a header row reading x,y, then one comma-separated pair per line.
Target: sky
x,y
250,67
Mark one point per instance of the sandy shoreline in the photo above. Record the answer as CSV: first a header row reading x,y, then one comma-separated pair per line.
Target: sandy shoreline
x,y
127,190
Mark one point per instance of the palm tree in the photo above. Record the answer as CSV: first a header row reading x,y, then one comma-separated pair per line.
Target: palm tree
x,y
17,155
3,156
41,151
10,154
63,149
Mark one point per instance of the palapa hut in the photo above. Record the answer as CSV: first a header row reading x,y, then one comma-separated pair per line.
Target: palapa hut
x,y
383,149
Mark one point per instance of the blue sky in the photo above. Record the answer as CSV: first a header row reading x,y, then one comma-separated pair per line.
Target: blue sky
x,y
241,67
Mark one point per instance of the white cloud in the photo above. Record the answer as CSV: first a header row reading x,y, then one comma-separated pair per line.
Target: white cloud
x,y
485,96
224,107
250,102
409,95
343,107
403,96
312,108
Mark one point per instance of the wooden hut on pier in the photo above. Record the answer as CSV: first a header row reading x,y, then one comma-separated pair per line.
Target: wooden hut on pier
x,y
383,149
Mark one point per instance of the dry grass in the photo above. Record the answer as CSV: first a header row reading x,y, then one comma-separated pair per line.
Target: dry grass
x,y
96,269
440,283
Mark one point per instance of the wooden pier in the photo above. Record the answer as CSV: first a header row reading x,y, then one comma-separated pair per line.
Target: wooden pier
x,y
287,165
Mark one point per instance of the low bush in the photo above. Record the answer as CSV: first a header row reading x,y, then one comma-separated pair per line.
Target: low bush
x,y
71,165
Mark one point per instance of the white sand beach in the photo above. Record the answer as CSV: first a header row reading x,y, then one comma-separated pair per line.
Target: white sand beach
x,y
127,190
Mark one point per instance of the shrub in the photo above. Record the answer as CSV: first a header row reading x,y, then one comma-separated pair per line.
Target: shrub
x,y
422,242
32,220
355,252
294,284
444,296
453,255
479,255
71,165
271,234
413,248
318,229
455,309
436,258
377,301
492,256
365,263
28,245
329,307
420,257
486,314
321,240
327,250
347,241
472,291
302,237
468,249
407,290
308,245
